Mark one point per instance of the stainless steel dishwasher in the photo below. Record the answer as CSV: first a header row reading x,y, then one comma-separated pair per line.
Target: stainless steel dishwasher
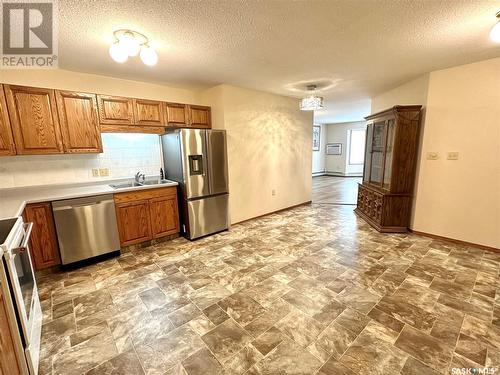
x,y
86,227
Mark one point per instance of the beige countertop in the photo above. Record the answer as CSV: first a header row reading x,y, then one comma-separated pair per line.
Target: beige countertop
x,y
13,200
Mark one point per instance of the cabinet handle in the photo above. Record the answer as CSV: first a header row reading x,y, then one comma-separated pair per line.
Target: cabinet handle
x,y
28,227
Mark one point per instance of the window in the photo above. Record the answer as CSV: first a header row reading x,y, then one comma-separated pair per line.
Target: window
x,y
357,146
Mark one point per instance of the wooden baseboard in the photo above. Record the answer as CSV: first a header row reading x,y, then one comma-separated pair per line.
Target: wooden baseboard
x,y
454,240
273,212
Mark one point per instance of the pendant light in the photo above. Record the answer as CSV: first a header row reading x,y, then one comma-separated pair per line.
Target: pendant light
x,y
129,43
311,102
495,30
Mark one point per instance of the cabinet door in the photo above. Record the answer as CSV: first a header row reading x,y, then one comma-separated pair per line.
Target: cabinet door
x,y
34,120
79,123
200,116
377,153
164,216
115,110
148,112
6,139
8,360
389,153
43,242
133,222
176,114
368,153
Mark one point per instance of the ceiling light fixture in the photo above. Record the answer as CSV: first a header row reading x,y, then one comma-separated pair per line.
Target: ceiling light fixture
x,y
495,30
129,43
311,102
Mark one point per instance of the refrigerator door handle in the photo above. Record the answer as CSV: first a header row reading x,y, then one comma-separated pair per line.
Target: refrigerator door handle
x,y
209,155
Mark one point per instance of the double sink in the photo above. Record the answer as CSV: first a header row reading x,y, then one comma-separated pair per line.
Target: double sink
x,y
127,185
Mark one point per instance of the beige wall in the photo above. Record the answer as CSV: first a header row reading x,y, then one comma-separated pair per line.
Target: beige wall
x,y
461,198
67,80
318,157
269,148
412,92
338,133
458,199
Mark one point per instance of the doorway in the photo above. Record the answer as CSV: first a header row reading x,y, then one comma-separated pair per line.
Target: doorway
x,y
340,184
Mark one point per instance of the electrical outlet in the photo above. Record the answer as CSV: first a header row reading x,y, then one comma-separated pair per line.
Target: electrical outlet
x,y
432,156
452,156
95,172
103,172
273,192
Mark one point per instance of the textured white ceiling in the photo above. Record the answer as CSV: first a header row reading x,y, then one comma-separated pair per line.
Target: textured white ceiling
x,y
355,48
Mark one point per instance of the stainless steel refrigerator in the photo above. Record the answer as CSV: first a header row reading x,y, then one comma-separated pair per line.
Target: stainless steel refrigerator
x,y
197,160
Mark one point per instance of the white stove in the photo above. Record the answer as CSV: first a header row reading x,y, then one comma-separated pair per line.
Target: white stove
x,y
19,287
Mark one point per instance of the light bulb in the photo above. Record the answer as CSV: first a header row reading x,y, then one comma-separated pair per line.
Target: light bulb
x,y
130,44
149,56
117,53
495,33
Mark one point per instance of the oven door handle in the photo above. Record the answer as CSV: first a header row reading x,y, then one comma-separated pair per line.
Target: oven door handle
x,y
28,227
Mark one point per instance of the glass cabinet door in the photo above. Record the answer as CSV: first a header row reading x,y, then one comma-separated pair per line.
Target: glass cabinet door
x,y
377,153
368,153
389,152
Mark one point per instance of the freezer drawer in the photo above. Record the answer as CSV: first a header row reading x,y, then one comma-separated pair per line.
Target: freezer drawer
x,y
86,227
207,215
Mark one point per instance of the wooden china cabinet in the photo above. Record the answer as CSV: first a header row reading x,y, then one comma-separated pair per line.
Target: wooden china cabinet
x,y
384,196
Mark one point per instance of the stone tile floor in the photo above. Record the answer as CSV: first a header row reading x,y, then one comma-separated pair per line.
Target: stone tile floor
x,y
313,290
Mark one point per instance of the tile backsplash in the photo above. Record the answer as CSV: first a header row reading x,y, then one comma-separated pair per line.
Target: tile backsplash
x,y
123,154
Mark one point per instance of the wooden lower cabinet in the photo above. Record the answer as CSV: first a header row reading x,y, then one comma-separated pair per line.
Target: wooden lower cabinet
x,y
164,216
133,222
386,212
43,242
146,214
8,359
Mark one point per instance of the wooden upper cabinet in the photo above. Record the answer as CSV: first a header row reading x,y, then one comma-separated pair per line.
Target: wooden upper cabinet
x,y
115,110
6,141
176,114
34,120
79,122
164,216
148,112
200,116
8,360
43,242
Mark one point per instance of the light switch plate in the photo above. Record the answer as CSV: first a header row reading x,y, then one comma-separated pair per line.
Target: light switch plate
x,y
103,172
452,155
95,172
432,156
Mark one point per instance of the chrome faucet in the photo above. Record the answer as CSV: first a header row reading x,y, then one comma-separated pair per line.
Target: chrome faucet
x,y
140,177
